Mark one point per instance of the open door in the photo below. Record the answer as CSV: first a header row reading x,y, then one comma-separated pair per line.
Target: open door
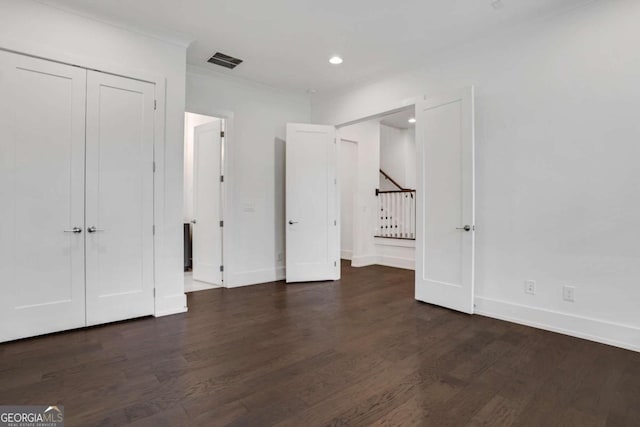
x,y
207,233
445,218
312,208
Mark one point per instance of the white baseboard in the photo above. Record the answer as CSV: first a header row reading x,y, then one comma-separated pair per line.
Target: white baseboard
x,y
364,260
610,333
171,304
388,261
346,254
255,277
402,243
397,262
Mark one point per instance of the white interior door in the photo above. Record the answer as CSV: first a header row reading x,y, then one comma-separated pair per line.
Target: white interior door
x,y
207,233
312,203
42,119
119,198
445,201
348,185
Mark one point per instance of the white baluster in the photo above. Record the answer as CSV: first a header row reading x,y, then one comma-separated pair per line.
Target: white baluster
x,y
404,215
382,214
413,215
385,231
394,214
398,213
378,215
391,214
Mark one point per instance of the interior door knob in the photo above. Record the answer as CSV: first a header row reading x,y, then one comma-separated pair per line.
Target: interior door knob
x,y
93,229
193,221
293,222
74,230
465,228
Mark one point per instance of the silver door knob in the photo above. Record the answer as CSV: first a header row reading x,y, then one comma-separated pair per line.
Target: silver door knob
x,y
193,221
74,230
93,229
465,228
293,222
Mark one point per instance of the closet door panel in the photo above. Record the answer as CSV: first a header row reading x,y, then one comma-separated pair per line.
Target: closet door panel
x,y
119,198
42,125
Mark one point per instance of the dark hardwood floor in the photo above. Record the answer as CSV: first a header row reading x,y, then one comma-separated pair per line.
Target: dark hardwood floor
x,y
357,352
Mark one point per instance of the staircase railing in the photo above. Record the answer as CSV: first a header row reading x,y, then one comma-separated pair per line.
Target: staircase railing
x,y
397,212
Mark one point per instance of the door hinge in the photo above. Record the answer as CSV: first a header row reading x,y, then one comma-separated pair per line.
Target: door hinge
x,y
154,292
221,178
154,167
221,268
335,263
221,134
335,222
155,104
221,223
335,140
153,229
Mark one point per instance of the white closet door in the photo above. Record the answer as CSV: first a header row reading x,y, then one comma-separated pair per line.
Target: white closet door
x,y
42,120
119,198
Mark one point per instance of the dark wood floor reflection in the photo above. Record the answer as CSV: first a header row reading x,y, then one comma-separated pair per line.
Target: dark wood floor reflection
x,y
356,352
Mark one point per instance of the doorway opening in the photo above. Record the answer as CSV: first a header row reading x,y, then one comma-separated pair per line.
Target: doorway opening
x,y
444,252
203,201
378,190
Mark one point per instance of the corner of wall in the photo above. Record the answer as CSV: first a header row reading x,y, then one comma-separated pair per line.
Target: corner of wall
x,y
609,333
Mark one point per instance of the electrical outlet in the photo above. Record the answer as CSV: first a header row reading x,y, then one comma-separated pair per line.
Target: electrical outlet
x,y
569,293
530,287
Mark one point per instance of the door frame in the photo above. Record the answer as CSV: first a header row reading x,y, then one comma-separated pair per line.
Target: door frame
x,y
226,195
395,108
164,303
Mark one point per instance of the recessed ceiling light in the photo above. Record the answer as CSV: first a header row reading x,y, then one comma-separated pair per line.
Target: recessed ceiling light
x,y
335,60
412,120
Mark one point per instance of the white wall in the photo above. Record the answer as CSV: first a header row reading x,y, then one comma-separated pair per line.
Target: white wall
x,y
191,120
254,215
397,157
32,28
367,135
558,186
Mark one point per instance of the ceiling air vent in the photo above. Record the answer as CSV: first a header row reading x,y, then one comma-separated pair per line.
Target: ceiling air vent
x,y
225,60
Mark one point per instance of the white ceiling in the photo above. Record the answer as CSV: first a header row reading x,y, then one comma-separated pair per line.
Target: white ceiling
x,y
287,43
399,120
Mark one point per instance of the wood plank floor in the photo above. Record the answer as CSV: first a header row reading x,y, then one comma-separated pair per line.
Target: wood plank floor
x,y
356,352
